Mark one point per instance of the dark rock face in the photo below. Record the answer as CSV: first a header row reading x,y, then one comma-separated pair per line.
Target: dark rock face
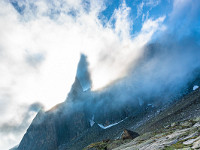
x,y
128,134
51,129
40,134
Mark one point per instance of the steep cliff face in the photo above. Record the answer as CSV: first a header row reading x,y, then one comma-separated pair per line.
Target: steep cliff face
x,y
41,134
50,129
62,124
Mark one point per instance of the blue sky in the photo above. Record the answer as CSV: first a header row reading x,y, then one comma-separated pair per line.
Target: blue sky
x,y
139,10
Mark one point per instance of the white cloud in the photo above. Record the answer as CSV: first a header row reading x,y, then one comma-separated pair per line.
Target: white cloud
x,y
146,4
39,55
153,3
140,9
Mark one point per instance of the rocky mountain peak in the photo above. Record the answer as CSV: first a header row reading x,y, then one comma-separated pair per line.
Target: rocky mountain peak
x,y
82,81
82,73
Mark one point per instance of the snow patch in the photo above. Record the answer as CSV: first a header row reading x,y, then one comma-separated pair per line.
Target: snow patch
x,y
195,87
92,121
106,127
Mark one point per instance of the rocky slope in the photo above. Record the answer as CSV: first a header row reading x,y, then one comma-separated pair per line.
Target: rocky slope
x,y
177,127
183,135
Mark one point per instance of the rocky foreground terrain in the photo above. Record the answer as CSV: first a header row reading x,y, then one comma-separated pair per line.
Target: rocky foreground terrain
x,y
184,135
177,127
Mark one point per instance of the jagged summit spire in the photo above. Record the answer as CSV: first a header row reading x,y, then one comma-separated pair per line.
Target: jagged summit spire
x,y
82,80
82,73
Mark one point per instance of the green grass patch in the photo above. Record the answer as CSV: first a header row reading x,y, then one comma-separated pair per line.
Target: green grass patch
x,y
97,145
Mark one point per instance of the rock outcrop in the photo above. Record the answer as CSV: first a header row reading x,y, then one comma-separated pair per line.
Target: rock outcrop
x,y
128,134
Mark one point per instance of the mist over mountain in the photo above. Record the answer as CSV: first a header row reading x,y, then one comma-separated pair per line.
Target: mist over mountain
x,y
88,116
85,70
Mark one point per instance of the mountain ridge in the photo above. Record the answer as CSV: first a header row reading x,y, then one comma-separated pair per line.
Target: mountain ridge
x,y
67,126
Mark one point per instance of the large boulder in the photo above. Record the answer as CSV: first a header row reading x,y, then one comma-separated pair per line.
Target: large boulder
x,y
128,134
